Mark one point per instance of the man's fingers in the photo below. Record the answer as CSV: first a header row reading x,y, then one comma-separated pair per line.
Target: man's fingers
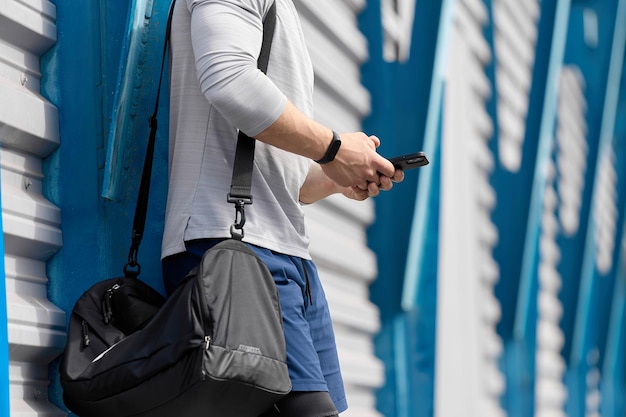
x,y
398,176
375,141
385,183
374,178
385,167
359,194
373,189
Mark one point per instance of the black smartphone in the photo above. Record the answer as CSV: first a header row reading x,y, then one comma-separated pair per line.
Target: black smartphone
x,y
409,161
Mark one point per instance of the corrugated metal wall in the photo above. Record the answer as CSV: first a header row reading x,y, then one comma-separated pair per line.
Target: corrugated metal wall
x,y
337,226
510,147
554,170
468,347
28,133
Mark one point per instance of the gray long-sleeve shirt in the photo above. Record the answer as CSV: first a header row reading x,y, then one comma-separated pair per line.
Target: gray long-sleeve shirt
x,y
216,89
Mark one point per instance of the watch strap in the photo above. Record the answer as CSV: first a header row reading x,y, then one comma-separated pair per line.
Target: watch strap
x,y
331,151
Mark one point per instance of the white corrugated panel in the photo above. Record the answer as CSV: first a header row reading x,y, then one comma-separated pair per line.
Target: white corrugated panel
x,y
606,211
515,36
398,17
337,226
550,392
467,310
572,148
566,175
28,132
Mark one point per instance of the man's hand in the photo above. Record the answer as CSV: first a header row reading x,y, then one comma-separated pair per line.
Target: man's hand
x,y
357,163
372,189
318,185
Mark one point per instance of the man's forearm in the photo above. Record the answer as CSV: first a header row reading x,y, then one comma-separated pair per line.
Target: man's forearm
x,y
296,133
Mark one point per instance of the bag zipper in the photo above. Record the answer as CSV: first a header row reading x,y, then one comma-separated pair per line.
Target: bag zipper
x,y
85,333
107,309
206,314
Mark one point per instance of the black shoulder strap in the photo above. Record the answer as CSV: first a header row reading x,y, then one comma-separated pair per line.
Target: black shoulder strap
x,y
241,183
242,171
132,268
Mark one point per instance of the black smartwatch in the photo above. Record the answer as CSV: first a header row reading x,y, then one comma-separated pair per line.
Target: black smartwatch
x,y
332,150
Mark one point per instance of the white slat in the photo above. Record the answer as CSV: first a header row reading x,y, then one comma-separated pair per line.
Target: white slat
x,y
467,310
29,131
515,37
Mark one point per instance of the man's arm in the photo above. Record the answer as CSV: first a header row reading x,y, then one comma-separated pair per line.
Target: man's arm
x,y
357,164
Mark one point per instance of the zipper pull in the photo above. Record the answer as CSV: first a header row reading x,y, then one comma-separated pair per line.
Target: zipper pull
x,y
207,342
107,309
85,334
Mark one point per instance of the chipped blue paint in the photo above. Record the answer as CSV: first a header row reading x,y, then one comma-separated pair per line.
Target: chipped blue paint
x,y
127,96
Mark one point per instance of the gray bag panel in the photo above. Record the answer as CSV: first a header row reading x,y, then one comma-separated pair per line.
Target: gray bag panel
x,y
238,286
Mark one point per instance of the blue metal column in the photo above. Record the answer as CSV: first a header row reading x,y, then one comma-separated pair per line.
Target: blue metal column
x,y
416,326
613,387
406,115
589,342
520,201
524,332
4,336
613,384
588,49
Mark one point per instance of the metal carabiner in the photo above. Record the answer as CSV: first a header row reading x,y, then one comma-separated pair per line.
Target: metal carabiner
x,y
236,229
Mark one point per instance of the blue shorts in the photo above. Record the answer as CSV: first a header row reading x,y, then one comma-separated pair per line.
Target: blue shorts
x,y
311,350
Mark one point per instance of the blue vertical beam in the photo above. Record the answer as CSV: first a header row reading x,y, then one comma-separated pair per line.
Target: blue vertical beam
x,y
526,318
402,101
589,322
427,190
613,386
415,329
416,325
613,364
377,76
589,49
614,374
4,336
514,188
515,214
524,331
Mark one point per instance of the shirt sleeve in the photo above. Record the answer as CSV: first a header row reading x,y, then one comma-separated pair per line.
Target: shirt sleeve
x,y
226,39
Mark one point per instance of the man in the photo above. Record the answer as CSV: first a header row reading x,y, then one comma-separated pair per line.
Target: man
x,y
216,90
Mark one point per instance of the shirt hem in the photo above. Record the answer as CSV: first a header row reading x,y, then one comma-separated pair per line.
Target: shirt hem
x,y
253,239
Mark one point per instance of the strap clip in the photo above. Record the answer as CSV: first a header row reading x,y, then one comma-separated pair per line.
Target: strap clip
x,y
236,229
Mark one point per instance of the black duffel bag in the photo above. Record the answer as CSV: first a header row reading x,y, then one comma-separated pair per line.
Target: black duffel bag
x,y
216,347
